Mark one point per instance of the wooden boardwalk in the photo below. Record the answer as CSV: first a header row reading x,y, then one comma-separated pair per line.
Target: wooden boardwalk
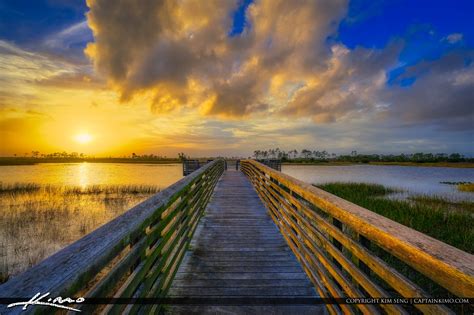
x,y
238,253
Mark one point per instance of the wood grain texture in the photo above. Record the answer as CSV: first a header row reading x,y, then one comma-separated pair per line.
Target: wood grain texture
x,y
329,235
238,252
136,253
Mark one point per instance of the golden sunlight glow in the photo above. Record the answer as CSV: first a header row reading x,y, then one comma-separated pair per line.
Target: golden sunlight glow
x,y
83,138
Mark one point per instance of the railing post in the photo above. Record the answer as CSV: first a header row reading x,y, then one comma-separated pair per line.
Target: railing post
x,y
134,255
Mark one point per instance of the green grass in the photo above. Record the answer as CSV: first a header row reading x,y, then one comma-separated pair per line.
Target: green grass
x,y
38,220
343,163
446,220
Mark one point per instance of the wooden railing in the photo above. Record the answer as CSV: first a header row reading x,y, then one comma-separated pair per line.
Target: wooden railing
x,y
341,245
134,255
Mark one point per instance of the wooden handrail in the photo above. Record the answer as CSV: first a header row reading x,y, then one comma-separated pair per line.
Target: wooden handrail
x,y
134,255
329,235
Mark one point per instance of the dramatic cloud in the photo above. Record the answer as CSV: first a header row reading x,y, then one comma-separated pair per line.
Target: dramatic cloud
x,y
289,79
180,54
350,85
442,95
180,51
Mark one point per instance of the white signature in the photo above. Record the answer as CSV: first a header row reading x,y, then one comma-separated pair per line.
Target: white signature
x,y
56,302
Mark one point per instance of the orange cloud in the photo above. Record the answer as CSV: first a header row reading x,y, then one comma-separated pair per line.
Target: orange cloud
x,y
175,46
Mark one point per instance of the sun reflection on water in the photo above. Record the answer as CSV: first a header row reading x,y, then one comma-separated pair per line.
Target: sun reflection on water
x,y
83,174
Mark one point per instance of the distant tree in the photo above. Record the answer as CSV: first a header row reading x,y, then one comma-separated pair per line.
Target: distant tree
x,y
306,153
271,153
181,156
278,153
455,157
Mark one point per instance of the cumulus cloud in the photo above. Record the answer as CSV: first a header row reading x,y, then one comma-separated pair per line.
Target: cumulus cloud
x,y
180,55
442,95
350,84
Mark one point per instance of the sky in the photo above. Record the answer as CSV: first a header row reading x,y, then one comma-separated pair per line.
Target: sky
x,y
208,78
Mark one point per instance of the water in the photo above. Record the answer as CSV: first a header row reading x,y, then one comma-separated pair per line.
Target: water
x,y
85,174
27,221
413,179
42,222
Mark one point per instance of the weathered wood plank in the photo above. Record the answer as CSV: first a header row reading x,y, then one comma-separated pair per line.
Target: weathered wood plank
x,y
318,227
445,264
100,261
246,309
283,291
192,276
220,283
238,251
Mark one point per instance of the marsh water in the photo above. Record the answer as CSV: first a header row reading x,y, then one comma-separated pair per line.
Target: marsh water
x,y
87,174
76,198
414,180
45,207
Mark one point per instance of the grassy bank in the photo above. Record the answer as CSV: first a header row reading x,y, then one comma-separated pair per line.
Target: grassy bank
x,y
428,164
421,164
324,163
38,220
446,220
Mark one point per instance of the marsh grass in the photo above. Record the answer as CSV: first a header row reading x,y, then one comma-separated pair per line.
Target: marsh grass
x,y
468,187
38,220
446,220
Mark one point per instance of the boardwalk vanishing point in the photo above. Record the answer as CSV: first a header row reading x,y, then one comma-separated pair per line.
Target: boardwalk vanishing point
x,y
238,252
251,240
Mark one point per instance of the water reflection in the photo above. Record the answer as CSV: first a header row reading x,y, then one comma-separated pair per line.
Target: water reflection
x,y
38,222
415,180
86,174
83,174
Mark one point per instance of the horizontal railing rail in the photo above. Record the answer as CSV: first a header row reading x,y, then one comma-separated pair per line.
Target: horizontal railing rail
x,y
135,255
341,246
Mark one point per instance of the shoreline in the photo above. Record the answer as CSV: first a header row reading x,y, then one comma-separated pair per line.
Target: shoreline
x,y
426,164
7,161
33,161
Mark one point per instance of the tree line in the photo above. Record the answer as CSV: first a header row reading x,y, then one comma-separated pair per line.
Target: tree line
x,y
307,155
79,155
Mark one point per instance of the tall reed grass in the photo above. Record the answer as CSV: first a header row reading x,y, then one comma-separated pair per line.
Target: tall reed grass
x,y
38,220
446,220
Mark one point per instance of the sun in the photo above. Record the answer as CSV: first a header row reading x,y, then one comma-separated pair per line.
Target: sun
x,y
83,138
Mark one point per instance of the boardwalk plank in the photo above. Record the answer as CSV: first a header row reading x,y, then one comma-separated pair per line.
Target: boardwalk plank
x,y
237,252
